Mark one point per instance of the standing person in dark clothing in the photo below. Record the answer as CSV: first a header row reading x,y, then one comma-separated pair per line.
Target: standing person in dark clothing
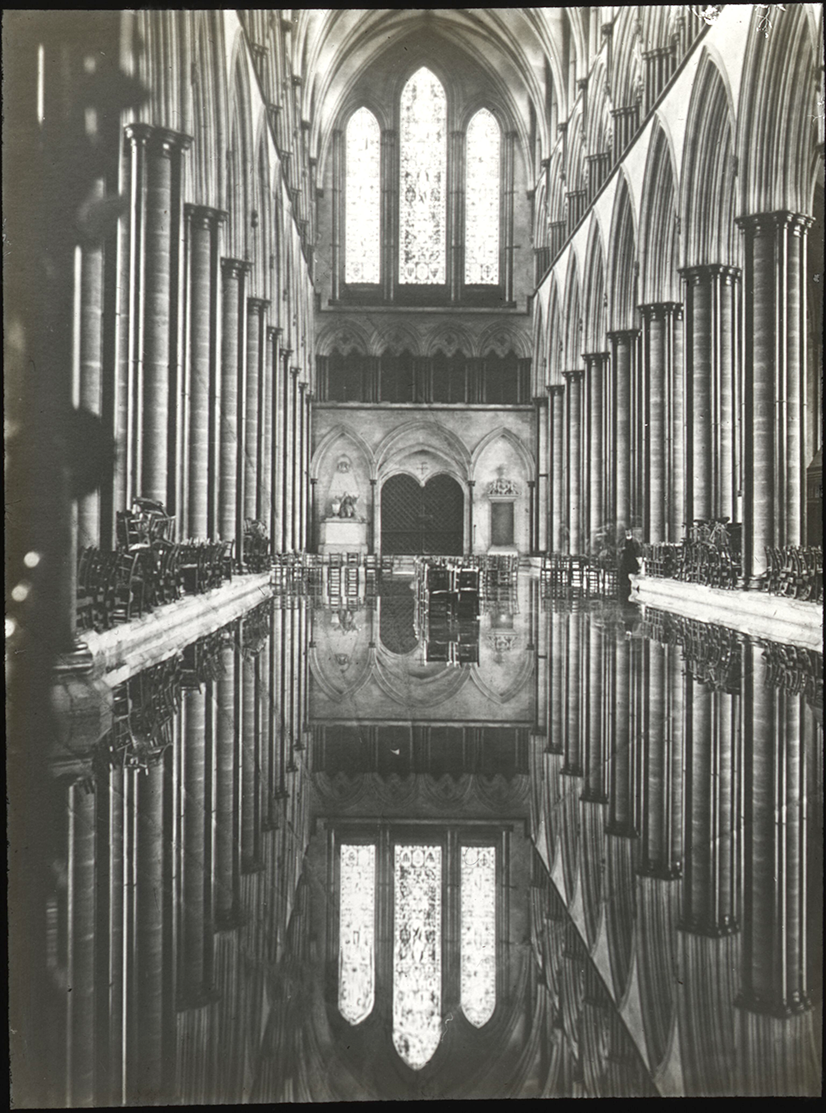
x,y
628,566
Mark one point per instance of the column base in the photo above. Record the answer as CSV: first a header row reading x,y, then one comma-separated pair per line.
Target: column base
x,y
782,1009
727,926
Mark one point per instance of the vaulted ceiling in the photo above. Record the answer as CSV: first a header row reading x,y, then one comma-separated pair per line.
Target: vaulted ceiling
x,y
519,48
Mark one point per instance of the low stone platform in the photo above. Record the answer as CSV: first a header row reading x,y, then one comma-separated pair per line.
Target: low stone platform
x,y
755,613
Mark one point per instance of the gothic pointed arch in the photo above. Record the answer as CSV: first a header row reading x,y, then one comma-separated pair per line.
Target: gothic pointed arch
x,y
510,438
573,318
594,317
622,255
658,223
707,188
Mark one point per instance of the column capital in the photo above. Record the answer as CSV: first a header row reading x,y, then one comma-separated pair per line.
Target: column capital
x,y
623,334
295,372
302,386
257,305
659,310
705,272
573,376
286,353
595,357
274,331
162,141
204,216
235,268
755,224
557,389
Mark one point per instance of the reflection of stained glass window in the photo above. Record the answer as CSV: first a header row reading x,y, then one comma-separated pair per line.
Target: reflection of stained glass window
x,y
356,966
482,200
363,198
478,979
422,186
417,953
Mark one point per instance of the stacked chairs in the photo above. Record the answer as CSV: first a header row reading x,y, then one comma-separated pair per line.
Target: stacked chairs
x,y
334,577
256,546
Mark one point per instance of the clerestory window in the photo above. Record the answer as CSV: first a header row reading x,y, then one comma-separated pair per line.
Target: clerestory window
x,y
419,203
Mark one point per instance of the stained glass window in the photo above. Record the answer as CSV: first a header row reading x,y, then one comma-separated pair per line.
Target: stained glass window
x,y
362,217
356,964
482,200
417,953
423,181
478,963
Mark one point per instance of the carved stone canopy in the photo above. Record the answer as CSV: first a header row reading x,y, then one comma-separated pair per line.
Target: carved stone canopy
x,y
503,488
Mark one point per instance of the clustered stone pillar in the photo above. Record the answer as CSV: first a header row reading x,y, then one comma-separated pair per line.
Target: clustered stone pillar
x,y
457,213
574,459
775,356
202,226
285,446
622,359
91,372
149,904
156,213
277,441
710,391
227,905
233,272
596,364
558,509
254,409
295,459
192,974
543,519
658,366
390,217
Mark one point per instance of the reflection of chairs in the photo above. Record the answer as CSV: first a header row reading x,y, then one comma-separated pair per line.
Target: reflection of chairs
x,y
128,601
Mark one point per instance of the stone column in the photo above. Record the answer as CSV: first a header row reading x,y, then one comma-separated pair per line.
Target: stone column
x,y
156,172
295,459
250,733
256,331
656,819
558,509
301,542
594,788
231,457
285,449
277,434
265,496
337,268
573,698
91,374
202,225
596,363
543,466
573,380
373,483
622,360
226,904
775,355
622,773
80,995
658,371
710,382
471,483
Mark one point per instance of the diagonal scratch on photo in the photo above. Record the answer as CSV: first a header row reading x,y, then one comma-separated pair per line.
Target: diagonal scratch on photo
x,y
414,582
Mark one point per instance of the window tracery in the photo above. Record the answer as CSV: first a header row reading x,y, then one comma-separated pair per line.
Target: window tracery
x,y
478,961
362,217
357,905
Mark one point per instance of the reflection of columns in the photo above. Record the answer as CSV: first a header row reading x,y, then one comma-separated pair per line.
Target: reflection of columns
x,y
543,464
232,373
574,460
710,391
532,505
775,335
294,460
150,984
775,968
557,394
594,789
657,858
227,907
277,442
622,772
254,408
658,373
80,995
708,894
471,483
203,289
573,699
595,363
250,736
153,317
192,982
622,362
557,656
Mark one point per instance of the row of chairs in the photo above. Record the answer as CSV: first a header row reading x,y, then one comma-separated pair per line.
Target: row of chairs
x,y
796,572
111,588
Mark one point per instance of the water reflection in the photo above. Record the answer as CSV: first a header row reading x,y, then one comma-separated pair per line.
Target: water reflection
x,y
645,793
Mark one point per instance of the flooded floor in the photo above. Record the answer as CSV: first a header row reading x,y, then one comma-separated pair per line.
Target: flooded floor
x,y
429,837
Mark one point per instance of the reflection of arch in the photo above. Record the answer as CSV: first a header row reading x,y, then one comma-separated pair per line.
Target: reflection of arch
x,y
516,444
525,672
